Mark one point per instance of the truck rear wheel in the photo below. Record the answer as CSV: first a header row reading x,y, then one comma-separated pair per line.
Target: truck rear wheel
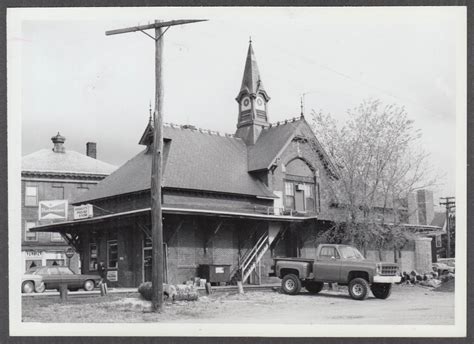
x,y
314,287
358,288
381,290
291,284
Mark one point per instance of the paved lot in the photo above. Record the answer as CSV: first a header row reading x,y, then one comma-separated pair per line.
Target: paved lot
x,y
407,305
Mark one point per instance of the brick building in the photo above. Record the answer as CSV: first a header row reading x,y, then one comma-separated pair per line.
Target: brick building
x,y
235,200
54,175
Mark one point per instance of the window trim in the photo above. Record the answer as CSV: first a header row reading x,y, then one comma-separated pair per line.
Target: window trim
x,y
27,230
96,256
60,239
35,187
438,240
108,254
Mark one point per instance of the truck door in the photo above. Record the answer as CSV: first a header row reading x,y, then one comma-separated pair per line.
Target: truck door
x,y
327,266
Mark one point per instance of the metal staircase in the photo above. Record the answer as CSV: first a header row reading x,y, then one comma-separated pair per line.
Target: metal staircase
x,y
252,257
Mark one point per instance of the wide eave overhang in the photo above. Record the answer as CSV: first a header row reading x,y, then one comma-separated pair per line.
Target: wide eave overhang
x,y
84,223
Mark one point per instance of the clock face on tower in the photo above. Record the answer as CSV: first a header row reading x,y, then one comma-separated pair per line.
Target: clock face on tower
x,y
260,104
245,104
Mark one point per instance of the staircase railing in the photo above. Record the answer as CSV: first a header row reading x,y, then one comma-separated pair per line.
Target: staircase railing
x,y
251,259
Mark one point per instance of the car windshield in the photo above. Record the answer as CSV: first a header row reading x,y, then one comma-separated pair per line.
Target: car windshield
x,y
348,252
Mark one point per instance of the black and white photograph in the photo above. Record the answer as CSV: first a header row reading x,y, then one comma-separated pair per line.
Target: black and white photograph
x,y
244,171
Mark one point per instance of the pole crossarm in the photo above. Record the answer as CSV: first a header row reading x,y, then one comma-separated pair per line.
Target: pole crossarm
x,y
153,26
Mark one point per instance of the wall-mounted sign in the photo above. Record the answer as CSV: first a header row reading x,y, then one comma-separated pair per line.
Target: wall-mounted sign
x,y
69,252
83,211
112,276
52,210
34,254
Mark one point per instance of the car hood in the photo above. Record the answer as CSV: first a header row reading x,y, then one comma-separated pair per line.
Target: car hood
x,y
31,277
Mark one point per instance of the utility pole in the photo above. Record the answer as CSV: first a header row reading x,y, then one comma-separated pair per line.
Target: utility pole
x,y
449,203
156,172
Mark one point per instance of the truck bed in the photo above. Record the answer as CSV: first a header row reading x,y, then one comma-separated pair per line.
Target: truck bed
x,y
295,259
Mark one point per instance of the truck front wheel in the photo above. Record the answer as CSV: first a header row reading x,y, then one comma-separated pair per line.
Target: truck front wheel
x,y
381,290
314,287
358,288
291,284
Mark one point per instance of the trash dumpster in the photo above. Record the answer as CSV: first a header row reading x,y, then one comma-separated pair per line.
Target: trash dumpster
x,y
215,273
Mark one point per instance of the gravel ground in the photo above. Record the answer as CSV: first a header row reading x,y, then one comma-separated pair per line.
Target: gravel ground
x,y
407,305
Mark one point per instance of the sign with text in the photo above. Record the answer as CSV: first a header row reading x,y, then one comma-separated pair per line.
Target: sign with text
x,y
112,276
34,254
83,211
52,210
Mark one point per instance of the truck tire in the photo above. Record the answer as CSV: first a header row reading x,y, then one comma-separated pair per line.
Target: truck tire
x,y
291,284
381,290
358,288
314,287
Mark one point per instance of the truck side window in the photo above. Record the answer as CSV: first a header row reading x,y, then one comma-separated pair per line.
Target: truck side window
x,y
328,252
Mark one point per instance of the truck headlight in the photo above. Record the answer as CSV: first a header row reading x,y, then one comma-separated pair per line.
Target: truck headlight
x,y
378,269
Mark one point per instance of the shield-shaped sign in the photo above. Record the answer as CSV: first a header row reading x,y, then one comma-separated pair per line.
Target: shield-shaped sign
x,y
53,210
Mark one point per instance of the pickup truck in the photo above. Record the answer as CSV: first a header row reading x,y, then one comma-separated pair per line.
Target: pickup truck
x,y
340,264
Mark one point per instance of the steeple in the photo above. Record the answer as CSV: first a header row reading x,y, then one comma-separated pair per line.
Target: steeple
x,y
252,100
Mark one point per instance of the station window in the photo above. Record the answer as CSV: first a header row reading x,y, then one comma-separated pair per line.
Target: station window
x,y
31,196
309,197
112,254
289,195
30,236
92,257
438,241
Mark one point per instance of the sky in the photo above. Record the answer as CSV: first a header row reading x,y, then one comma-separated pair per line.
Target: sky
x,y
91,87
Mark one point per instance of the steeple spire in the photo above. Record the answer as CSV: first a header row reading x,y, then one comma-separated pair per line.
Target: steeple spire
x,y
252,100
251,81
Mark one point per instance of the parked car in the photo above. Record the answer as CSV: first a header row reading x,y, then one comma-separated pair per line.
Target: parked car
x,y
53,276
32,283
340,264
444,267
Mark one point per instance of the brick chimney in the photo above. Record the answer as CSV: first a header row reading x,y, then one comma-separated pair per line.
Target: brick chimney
x,y
91,148
58,142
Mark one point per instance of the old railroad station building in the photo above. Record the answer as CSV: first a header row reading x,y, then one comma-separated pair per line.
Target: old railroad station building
x,y
234,201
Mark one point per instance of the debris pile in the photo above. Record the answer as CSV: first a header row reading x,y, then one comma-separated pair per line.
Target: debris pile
x,y
178,292
435,279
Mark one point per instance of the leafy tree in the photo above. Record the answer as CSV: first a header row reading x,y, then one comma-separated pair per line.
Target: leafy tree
x,y
380,162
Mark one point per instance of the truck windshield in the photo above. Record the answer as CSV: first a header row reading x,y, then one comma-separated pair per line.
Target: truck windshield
x,y
348,252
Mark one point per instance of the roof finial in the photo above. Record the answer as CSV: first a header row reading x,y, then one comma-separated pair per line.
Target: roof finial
x,y
302,104
250,39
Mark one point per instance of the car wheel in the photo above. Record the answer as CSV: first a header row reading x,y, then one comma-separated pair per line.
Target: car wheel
x,y
358,288
291,284
314,287
27,287
381,290
89,285
41,288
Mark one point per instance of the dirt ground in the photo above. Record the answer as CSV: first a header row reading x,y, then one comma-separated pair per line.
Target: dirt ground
x,y
406,305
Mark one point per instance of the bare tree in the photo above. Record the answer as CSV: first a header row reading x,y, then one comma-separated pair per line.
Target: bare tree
x,y
380,162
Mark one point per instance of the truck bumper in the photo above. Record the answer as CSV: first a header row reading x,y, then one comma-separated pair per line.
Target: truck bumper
x,y
387,279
